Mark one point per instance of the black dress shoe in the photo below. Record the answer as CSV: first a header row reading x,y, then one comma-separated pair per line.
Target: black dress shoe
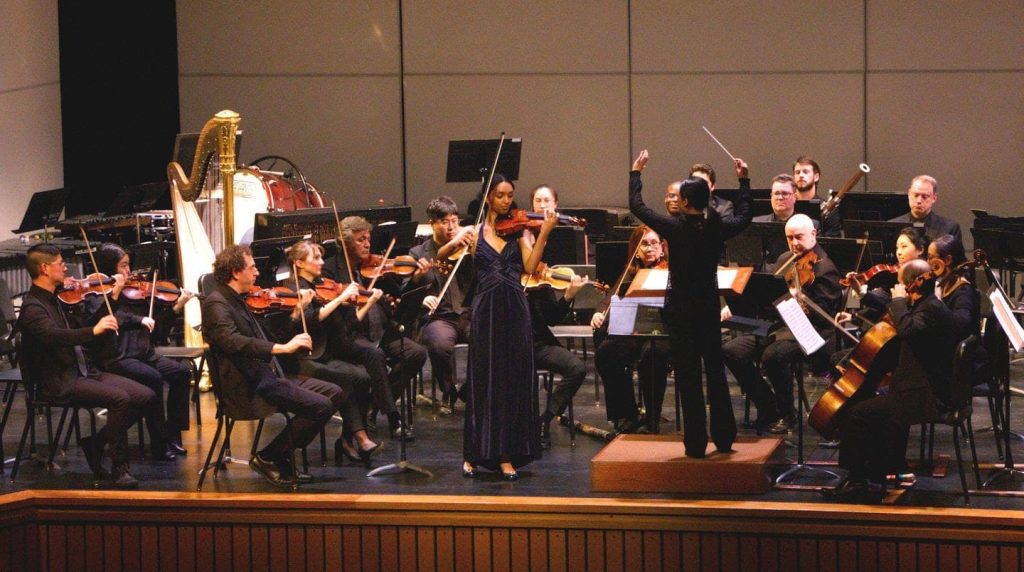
x,y
468,473
176,448
162,453
341,452
93,455
510,477
123,479
366,454
270,472
846,489
783,426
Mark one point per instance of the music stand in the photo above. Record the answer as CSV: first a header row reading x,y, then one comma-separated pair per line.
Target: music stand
x,y
43,211
773,240
270,259
873,206
809,207
758,298
470,160
404,234
884,233
844,252
611,260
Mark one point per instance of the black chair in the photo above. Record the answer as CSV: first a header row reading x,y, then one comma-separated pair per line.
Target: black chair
x,y
957,413
547,380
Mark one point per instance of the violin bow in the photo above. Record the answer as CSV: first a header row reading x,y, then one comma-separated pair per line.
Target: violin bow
x,y
479,219
92,258
801,297
298,302
384,260
152,294
622,277
341,241
860,259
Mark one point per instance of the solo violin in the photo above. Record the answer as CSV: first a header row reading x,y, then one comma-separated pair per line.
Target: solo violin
x,y
518,220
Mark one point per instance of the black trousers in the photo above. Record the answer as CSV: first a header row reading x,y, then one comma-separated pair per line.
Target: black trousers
x,y
439,337
875,434
696,339
353,380
153,374
772,400
311,401
406,357
614,360
568,365
125,400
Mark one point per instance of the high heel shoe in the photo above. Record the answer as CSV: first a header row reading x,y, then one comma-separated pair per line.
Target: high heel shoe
x,y
366,454
341,453
513,476
469,473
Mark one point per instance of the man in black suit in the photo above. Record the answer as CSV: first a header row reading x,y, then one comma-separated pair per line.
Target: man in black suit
x,y
53,355
922,196
247,367
874,432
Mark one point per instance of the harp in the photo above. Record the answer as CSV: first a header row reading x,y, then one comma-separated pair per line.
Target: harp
x,y
214,161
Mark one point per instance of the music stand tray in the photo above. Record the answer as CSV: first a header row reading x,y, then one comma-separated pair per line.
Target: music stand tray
x,y
470,160
404,234
43,210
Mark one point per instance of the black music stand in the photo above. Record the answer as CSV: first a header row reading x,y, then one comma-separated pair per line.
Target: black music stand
x,y
270,259
406,312
1009,469
43,211
404,234
883,232
610,260
845,252
470,161
772,236
810,207
873,206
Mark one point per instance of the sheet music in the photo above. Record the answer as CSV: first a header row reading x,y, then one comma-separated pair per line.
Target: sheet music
x,y
1007,320
726,276
657,279
808,338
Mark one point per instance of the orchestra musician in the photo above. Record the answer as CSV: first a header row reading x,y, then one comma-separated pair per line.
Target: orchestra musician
x,y
247,366
546,310
323,319
875,431
806,174
783,203
449,323
131,353
692,308
874,294
922,196
774,402
53,354
616,355
960,296
378,341
501,426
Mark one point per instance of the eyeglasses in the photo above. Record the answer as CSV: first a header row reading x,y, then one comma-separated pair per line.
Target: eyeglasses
x,y
649,243
781,194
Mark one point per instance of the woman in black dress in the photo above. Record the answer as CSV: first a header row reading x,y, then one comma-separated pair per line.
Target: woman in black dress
x,y
502,429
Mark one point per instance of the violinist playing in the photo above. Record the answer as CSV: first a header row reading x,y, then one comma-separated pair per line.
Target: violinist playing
x,y
53,354
813,273
616,355
449,323
874,432
548,309
873,285
131,353
691,301
327,320
376,341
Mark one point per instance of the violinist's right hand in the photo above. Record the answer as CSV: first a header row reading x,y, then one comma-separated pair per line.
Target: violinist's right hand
x,y
107,323
725,314
431,302
597,320
300,341
377,294
641,161
844,317
466,235
350,294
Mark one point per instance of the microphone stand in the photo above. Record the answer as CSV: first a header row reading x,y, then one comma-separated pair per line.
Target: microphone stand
x,y
405,399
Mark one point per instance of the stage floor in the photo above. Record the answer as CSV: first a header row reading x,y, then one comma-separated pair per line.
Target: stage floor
x,y
564,471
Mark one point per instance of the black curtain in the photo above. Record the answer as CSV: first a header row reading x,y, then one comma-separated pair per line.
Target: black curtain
x,y
119,96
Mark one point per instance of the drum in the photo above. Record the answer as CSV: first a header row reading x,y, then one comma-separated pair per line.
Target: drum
x,y
287,194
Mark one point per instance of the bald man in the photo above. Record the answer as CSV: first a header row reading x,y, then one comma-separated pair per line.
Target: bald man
x,y
922,196
774,400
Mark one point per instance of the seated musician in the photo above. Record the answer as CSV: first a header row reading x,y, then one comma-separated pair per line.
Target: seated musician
x,y
783,208
874,431
247,366
52,353
616,355
546,310
448,324
131,353
325,319
377,341
874,292
774,402
922,196
961,297
806,174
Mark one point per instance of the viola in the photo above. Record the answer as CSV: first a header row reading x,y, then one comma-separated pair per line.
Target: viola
x,y
556,277
799,270
166,291
400,265
866,276
519,220
328,290
269,299
74,290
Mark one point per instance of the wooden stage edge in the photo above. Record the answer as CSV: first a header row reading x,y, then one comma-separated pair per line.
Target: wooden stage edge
x,y
106,530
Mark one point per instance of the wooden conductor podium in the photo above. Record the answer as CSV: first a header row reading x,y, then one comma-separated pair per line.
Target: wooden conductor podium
x,y
657,463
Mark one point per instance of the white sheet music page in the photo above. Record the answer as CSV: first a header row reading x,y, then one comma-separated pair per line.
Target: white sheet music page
x,y
726,276
657,279
808,338
1007,320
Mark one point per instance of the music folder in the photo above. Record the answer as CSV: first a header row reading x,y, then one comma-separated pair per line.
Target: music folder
x,y
637,316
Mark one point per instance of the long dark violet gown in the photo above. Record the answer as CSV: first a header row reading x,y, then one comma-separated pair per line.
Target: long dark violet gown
x,y
502,422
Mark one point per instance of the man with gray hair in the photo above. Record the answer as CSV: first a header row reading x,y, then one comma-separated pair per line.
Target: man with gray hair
x,y
922,196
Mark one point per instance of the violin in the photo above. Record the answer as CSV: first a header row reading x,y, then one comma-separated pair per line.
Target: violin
x,y
74,290
137,289
915,288
269,299
519,220
558,278
867,275
400,265
799,270
329,289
